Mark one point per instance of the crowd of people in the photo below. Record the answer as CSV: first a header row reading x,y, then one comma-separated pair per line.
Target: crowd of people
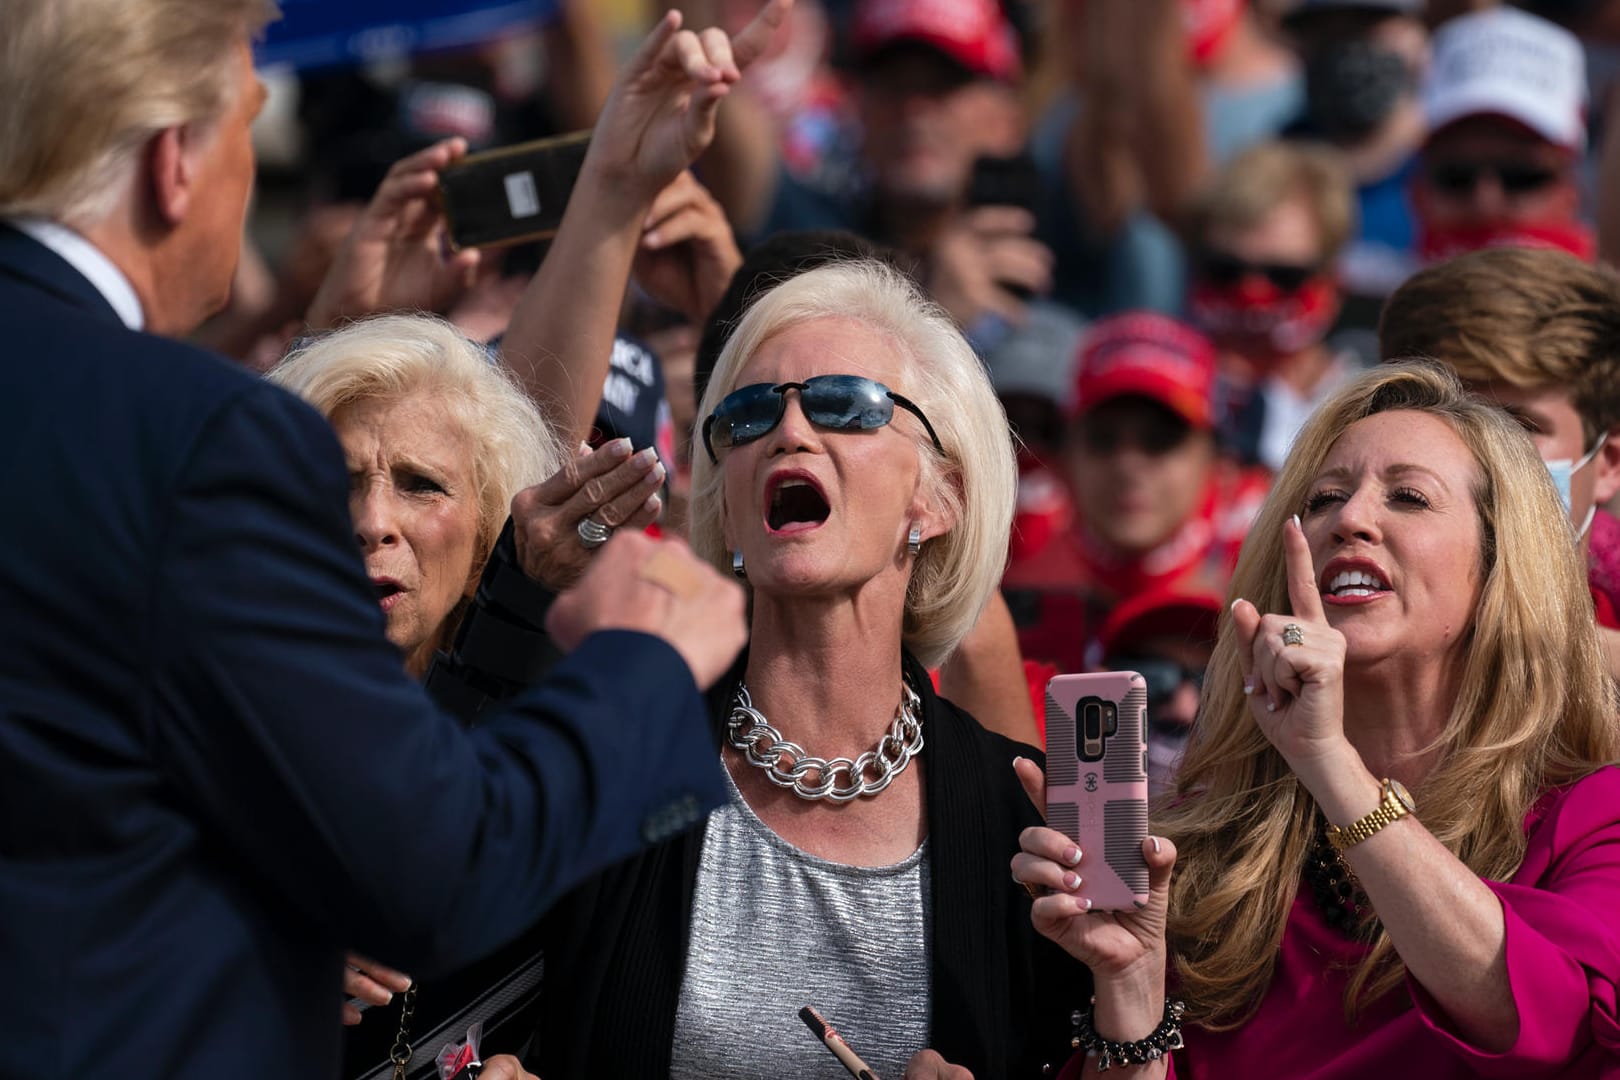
x,y
890,357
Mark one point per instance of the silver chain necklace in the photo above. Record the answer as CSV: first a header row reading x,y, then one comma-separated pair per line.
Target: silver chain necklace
x,y
747,730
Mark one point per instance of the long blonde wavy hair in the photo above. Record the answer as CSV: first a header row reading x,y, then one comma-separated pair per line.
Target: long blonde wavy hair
x,y
1535,709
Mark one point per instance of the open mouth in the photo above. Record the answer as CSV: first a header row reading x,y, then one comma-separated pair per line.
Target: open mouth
x,y
796,503
388,591
1354,584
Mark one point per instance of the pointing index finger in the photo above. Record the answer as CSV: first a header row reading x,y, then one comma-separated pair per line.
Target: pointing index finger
x,y
1303,594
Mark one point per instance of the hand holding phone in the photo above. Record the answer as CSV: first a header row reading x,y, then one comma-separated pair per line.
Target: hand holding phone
x,y
1096,781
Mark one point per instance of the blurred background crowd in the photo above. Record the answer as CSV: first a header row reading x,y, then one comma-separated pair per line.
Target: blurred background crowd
x,y
1167,227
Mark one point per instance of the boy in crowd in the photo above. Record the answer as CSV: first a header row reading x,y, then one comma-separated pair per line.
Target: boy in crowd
x,y
1149,501
1539,332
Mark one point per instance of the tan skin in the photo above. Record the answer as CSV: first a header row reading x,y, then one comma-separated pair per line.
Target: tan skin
x,y
414,504
833,598
1401,653
1130,498
1288,235
176,232
1487,139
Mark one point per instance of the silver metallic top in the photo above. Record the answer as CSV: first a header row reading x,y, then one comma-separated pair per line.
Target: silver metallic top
x,y
774,929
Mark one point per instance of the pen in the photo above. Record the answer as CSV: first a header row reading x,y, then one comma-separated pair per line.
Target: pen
x,y
835,1042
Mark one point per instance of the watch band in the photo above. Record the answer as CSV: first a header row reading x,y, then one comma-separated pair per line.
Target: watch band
x,y
1394,804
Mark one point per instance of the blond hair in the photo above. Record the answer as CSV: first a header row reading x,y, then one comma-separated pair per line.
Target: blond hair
x,y
396,356
974,481
1534,710
1270,174
1533,318
85,83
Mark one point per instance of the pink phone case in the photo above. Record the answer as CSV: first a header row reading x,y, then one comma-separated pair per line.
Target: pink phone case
x,y
1096,788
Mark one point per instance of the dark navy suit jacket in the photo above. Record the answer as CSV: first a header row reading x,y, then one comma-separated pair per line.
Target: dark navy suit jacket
x,y
214,773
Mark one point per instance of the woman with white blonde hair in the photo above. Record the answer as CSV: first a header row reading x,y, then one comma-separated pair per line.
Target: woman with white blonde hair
x,y
1397,829
438,440
855,470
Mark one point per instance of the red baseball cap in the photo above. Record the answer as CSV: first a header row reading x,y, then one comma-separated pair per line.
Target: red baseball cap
x,y
974,33
1146,354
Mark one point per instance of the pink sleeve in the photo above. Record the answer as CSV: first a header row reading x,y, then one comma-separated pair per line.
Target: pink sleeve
x,y
1563,942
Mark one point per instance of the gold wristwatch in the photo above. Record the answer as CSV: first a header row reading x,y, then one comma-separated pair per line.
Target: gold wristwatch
x,y
1395,804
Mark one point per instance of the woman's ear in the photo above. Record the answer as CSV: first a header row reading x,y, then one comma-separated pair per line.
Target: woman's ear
x,y
932,513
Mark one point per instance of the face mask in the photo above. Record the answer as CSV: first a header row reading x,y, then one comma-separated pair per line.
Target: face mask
x,y
1439,244
1563,471
1353,86
1264,324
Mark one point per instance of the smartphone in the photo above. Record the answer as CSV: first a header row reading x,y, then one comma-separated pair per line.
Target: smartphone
x,y
1096,781
513,194
1005,181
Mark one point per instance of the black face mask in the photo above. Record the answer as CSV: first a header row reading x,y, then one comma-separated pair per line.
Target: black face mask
x,y
1352,86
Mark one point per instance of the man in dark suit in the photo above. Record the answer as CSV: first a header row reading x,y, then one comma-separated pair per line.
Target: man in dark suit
x,y
214,773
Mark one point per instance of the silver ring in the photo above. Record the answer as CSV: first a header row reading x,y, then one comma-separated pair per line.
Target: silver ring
x,y
1293,635
592,533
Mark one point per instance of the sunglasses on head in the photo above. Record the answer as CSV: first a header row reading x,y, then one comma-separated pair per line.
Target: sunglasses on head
x,y
835,402
1220,268
1462,177
1163,677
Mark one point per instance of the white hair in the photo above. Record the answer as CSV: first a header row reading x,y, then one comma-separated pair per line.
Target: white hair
x,y
394,356
976,478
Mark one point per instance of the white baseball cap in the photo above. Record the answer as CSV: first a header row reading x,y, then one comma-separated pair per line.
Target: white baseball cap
x,y
1507,62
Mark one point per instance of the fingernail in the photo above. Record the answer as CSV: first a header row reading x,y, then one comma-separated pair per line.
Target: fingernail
x,y
652,239
390,998
1236,602
648,456
651,505
1071,881
1086,900
1072,856
657,474
1297,525
1248,686
584,448
1271,706
619,447
1155,840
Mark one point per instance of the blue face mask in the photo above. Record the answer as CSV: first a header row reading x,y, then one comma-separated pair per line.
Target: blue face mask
x,y
1563,470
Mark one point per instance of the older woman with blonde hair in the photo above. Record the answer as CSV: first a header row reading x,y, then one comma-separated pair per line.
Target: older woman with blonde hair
x,y
855,469
438,439
1397,829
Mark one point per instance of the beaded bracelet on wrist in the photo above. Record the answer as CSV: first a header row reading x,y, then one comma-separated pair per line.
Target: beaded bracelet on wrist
x,y
1163,1039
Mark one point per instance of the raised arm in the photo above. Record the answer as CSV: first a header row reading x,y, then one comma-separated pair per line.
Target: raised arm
x,y
1446,923
659,118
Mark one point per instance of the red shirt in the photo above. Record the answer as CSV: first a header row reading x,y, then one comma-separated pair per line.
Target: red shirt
x,y
1061,583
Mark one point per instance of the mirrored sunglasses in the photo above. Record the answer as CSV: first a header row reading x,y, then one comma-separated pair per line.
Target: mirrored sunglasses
x,y
834,402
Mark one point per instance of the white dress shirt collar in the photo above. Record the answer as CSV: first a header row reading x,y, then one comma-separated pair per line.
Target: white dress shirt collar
x,y
88,260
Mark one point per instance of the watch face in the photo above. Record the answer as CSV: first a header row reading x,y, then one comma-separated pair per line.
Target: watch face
x,y
1405,797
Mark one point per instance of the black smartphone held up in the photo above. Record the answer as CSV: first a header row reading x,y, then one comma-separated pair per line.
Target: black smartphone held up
x,y
1005,181
513,194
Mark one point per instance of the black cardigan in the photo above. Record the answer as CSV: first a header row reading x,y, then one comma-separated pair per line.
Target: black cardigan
x,y
1001,995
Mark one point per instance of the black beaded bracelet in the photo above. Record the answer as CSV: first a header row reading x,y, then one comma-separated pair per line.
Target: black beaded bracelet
x,y
1163,1039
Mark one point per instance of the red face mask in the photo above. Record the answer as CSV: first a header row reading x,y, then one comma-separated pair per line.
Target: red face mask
x,y
1438,244
1261,322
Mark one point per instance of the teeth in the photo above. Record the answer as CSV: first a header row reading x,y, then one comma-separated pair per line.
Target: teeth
x,y
1355,583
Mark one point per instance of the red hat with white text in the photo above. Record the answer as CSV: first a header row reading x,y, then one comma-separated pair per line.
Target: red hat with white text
x,y
1146,354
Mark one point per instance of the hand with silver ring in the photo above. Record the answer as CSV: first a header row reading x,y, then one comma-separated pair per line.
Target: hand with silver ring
x,y
561,522
1295,678
592,534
